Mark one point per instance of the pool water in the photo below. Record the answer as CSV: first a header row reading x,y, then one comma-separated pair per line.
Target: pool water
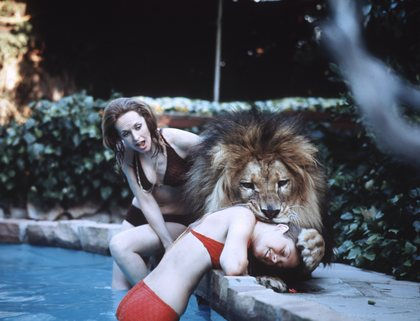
x,y
45,283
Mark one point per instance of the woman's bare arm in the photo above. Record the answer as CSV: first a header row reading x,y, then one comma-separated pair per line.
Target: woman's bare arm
x,y
148,206
234,258
182,140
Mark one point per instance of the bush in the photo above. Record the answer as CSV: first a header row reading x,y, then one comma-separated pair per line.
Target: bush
x,y
57,156
374,199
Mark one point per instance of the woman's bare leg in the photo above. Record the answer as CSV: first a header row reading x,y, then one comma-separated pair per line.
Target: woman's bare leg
x,y
119,281
129,246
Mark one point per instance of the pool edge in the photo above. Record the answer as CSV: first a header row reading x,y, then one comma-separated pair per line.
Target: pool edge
x,y
235,298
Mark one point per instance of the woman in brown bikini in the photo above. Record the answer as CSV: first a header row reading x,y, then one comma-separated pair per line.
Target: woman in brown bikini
x,y
154,162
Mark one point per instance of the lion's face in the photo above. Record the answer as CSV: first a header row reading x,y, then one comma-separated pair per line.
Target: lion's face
x,y
268,188
260,159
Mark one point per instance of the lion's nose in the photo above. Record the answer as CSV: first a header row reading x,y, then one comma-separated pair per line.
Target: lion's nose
x,y
270,213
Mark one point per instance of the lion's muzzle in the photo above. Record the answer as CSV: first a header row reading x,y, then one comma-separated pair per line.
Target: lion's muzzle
x,y
270,213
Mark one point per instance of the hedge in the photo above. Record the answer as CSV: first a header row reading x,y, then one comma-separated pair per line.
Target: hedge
x,y
374,199
57,157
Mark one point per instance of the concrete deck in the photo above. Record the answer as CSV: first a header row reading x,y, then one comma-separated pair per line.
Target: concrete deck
x,y
335,293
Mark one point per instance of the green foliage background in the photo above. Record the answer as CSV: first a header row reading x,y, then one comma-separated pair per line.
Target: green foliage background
x,y
374,201
57,156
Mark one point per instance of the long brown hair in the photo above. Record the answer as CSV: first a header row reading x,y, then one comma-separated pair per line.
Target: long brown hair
x,y
115,109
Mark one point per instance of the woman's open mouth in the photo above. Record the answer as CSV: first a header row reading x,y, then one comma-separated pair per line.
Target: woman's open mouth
x,y
141,144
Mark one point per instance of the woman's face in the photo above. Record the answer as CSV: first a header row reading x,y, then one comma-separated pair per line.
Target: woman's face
x,y
273,248
133,131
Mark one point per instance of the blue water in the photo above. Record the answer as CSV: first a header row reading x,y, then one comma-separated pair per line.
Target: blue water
x,y
45,283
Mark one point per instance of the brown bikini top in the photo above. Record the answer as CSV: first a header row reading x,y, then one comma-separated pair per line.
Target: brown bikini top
x,y
176,168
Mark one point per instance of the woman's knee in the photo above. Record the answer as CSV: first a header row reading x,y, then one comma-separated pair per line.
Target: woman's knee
x,y
118,246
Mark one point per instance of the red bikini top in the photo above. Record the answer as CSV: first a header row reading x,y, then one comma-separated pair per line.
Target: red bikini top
x,y
214,248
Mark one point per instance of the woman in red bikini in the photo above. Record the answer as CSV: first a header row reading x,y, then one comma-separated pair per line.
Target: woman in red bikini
x,y
154,162
218,240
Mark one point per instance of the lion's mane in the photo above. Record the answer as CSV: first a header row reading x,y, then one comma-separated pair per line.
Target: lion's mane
x,y
232,140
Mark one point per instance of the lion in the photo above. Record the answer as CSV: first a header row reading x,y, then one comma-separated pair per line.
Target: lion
x,y
260,158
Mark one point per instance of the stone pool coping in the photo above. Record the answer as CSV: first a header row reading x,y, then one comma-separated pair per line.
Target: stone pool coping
x,y
340,292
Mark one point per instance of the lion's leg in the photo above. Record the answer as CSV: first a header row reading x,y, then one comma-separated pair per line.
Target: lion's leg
x,y
272,282
312,247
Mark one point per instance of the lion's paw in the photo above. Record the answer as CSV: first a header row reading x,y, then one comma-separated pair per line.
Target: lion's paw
x,y
272,282
312,247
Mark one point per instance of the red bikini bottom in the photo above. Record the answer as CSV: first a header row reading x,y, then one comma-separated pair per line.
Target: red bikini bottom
x,y
142,304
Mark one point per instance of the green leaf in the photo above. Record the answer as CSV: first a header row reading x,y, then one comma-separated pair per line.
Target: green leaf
x,y
35,150
76,140
30,123
369,256
369,184
88,164
108,154
354,252
408,263
11,132
3,177
379,215
409,248
99,157
93,118
38,133
416,225
414,193
29,138
106,192
346,216
353,227
5,159
395,199
125,192
49,149
372,239
357,210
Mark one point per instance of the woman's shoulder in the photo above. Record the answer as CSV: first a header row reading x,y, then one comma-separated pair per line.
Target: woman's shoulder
x,y
242,211
239,213
179,138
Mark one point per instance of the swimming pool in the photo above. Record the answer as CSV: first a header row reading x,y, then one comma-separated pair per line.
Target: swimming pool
x,y
48,284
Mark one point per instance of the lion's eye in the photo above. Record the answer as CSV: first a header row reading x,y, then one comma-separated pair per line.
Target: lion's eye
x,y
247,185
282,182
